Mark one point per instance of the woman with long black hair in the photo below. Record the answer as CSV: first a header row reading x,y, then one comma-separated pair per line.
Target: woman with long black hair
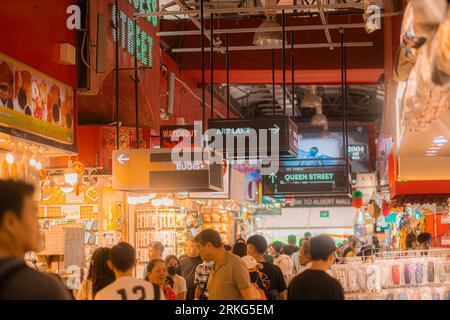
x,y
99,276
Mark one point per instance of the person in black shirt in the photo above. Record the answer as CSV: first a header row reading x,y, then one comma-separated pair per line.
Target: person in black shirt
x,y
187,265
314,283
272,277
19,233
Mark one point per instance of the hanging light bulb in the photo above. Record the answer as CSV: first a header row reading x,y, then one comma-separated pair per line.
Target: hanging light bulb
x,y
319,119
268,38
32,163
311,99
10,158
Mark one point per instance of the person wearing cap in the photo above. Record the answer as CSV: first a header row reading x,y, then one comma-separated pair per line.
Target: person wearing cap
x,y
314,283
272,276
252,265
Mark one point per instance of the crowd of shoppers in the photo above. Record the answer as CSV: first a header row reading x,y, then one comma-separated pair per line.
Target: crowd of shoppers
x,y
208,271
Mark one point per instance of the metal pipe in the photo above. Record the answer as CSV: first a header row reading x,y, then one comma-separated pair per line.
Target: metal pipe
x,y
193,19
136,88
202,60
297,7
211,64
293,74
269,29
345,98
283,59
273,82
117,77
297,46
227,65
324,22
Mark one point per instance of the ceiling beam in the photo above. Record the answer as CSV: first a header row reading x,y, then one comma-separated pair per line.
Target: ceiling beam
x,y
324,22
298,7
296,46
253,30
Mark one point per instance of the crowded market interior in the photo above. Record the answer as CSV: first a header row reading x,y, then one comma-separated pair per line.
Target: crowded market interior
x,y
225,149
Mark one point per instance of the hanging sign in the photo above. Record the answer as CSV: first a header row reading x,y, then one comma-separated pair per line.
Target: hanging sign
x,y
123,29
34,103
321,180
155,170
253,138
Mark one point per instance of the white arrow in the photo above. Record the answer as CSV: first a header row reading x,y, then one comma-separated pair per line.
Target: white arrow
x,y
122,159
275,128
273,176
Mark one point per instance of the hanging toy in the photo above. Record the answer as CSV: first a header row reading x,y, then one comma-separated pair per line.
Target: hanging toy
x,y
78,166
376,210
357,200
14,172
42,175
385,208
5,170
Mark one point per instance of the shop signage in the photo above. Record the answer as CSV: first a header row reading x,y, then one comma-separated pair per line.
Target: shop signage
x,y
324,213
126,33
299,180
215,195
170,136
268,212
322,202
239,129
34,103
358,152
153,170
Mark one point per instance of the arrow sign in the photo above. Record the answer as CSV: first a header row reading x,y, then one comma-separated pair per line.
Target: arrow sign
x,y
122,159
275,128
273,176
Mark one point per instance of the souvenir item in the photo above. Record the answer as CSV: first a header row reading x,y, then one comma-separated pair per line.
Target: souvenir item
x,y
395,274
408,273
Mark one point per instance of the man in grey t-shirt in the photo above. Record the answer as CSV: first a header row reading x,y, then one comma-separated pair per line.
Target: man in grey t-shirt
x,y
229,279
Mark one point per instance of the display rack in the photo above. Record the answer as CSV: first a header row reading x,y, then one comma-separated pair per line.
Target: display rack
x,y
221,221
396,275
166,225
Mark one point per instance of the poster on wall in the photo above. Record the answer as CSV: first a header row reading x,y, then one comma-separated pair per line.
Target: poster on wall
x,y
34,103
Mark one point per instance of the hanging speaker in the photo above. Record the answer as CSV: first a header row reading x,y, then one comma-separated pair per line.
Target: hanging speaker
x,y
101,43
170,92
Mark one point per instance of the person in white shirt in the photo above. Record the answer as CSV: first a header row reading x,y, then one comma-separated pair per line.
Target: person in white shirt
x,y
177,282
126,287
283,261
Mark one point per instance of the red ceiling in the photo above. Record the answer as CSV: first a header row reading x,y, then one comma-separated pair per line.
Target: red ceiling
x,y
365,63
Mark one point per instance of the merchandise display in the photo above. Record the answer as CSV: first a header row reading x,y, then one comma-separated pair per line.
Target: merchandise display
x,y
219,220
397,275
166,225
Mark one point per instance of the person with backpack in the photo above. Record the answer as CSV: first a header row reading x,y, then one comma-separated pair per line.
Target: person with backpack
x,y
259,290
271,275
19,233
126,287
